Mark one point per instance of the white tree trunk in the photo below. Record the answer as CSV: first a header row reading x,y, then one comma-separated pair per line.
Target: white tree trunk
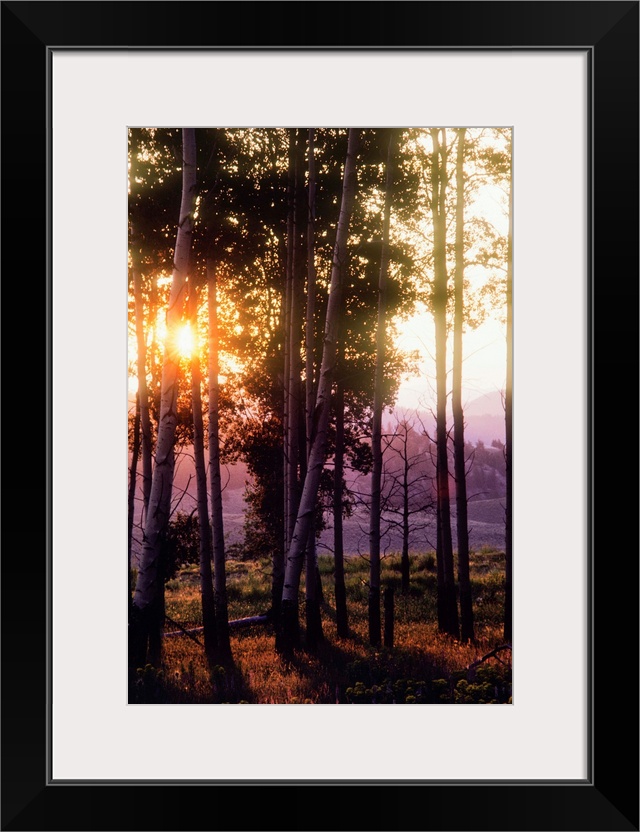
x,y
320,422
312,574
148,585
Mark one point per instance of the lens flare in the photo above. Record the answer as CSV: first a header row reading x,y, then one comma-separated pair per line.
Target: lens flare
x,y
185,341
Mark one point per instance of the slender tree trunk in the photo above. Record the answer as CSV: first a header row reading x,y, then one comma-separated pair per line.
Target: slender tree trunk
x,y
441,589
439,170
279,558
508,598
388,617
311,293
289,633
143,391
291,421
148,608
464,579
133,474
295,412
375,634
342,616
219,566
206,578
312,585
152,391
404,561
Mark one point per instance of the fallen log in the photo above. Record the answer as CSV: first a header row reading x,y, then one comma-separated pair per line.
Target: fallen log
x,y
236,624
492,655
183,632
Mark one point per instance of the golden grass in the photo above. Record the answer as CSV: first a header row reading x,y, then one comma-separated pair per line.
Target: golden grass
x,y
261,675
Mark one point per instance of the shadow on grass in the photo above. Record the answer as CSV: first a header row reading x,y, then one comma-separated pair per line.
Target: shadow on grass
x,y
326,667
338,665
193,684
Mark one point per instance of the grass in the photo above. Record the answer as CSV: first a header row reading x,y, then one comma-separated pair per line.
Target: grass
x,y
424,666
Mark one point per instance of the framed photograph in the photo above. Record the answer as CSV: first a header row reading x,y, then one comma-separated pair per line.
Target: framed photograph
x,y
561,80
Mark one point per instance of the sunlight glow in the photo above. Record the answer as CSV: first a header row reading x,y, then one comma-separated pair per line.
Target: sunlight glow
x,y
185,341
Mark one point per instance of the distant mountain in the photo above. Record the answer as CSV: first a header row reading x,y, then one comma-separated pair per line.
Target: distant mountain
x,y
483,416
489,404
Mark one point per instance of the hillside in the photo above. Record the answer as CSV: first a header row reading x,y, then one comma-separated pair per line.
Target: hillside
x,y
484,422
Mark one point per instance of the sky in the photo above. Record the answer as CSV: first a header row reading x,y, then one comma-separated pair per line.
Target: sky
x,y
483,369
484,349
484,359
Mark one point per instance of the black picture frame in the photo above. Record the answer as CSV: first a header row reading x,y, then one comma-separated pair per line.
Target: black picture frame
x,y
608,799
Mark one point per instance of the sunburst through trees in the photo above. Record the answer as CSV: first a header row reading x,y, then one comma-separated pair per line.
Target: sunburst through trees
x,y
317,497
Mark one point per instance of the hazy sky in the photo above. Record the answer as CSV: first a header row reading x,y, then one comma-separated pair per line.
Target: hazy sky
x,y
484,364
484,349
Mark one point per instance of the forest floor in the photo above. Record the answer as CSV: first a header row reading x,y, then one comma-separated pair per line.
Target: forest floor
x,y
423,666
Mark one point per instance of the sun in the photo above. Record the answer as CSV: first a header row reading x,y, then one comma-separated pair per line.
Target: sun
x,y
185,341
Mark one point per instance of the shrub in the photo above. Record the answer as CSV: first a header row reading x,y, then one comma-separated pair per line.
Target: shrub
x,y
427,562
181,544
401,692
